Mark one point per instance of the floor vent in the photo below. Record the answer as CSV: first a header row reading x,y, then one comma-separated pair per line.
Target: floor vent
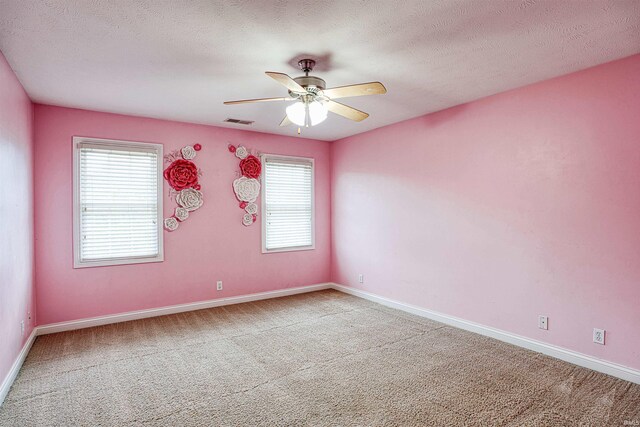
x,y
238,121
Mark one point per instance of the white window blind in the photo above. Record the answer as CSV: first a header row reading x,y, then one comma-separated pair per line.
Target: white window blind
x,y
288,216
118,202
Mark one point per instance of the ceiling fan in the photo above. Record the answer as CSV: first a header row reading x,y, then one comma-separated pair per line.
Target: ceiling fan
x,y
312,100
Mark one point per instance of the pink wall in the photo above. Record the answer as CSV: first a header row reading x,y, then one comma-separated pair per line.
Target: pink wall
x,y
16,217
520,204
212,245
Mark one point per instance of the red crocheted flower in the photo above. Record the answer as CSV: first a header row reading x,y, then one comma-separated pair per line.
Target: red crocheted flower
x,y
232,148
197,147
250,167
181,174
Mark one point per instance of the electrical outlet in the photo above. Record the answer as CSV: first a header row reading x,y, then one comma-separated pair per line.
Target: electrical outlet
x,y
360,278
22,327
543,322
598,336
219,285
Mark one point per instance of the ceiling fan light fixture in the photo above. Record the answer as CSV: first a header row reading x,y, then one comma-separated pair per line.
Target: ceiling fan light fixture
x,y
307,113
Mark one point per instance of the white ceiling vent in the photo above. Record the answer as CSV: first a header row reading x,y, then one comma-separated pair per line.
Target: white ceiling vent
x,y
238,121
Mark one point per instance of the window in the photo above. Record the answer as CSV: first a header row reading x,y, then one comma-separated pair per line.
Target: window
x,y
287,204
117,202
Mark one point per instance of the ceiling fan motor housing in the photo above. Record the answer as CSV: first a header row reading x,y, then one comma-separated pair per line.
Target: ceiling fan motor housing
x,y
311,82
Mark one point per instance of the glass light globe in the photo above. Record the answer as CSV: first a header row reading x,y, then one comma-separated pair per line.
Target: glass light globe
x,y
297,113
317,112
314,111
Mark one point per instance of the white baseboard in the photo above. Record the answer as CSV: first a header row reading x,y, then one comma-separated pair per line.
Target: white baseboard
x,y
15,368
579,359
570,356
173,309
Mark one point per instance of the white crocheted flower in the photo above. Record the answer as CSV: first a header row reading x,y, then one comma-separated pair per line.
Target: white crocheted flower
x,y
171,223
247,219
190,199
251,208
188,152
181,214
246,189
241,152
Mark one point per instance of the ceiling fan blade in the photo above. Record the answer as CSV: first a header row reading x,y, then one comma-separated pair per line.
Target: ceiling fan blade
x,y
372,88
346,111
247,101
286,81
286,121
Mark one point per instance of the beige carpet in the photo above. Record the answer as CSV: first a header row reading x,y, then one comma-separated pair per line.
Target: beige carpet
x,y
320,359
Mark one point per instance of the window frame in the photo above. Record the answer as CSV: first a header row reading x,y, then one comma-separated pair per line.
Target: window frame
x,y
77,260
263,161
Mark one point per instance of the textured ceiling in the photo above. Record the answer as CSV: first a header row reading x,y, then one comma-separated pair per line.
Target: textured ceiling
x,y
181,59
